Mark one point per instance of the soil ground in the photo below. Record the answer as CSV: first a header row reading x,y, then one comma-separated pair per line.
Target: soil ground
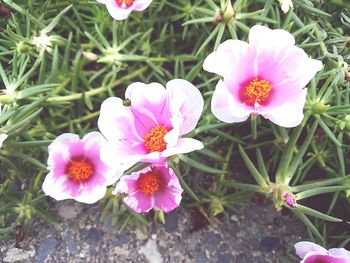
x,y
257,234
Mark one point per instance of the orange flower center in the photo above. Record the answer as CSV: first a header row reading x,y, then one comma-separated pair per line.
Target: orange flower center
x,y
154,140
125,3
257,91
80,170
148,183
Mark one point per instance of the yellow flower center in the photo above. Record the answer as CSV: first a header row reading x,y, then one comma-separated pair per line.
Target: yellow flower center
x,y
257,91
80,170
154,140
125,3
148,183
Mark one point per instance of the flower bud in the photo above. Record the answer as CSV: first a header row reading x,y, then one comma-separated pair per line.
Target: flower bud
x,y
319,108
290,200
228,13
22,47
345,123
216,206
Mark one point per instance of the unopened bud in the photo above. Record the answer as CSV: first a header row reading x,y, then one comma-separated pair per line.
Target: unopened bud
x,y
228,13
22,47
290,200
345,123
319,108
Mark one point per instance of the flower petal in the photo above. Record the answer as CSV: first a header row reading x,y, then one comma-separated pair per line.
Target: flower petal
x,y
91,196
278,38
140,5
116,122
55,187
302,248
192,107
226,107
3,137
149,100
289,114
184,145
117,12
139,202
231,60
340,252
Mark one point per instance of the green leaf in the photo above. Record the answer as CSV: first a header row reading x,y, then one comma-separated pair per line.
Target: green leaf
x,y
312,212
320,190
308,223
253,171
200,166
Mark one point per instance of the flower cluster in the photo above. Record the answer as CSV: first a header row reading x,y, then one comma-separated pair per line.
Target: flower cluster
x,y
149,130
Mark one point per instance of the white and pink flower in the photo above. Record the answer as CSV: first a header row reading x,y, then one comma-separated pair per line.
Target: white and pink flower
x,y
266,76
155,186
312,253
3,137
286,5
76,170
151,128
121,9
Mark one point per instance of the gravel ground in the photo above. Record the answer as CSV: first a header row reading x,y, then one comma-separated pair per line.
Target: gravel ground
x,y
255,235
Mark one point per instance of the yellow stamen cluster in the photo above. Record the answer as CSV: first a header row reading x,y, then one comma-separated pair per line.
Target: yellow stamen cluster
x,y
154,140
257,91
80,170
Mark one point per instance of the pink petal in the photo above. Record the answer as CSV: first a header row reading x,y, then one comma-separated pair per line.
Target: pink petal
x,y
340,252
151,102
226,106
92,195
93,143
116,11
55,187
116,122
184,145
314,257
277,38
140,5
289,114
302,248
167,199
192,107
139,202
231,60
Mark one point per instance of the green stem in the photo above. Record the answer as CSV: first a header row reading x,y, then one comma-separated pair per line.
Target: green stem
x,y
78,120
99,90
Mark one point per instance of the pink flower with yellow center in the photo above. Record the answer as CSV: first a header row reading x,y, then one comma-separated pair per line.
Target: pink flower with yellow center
x,y
151,128
313,253
121,9
266,76
76,170
155,186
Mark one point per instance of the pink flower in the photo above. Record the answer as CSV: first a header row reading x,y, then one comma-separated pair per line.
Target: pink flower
x,y
121,9
266,76
150,129
313,253
3,137
155,186
76,171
